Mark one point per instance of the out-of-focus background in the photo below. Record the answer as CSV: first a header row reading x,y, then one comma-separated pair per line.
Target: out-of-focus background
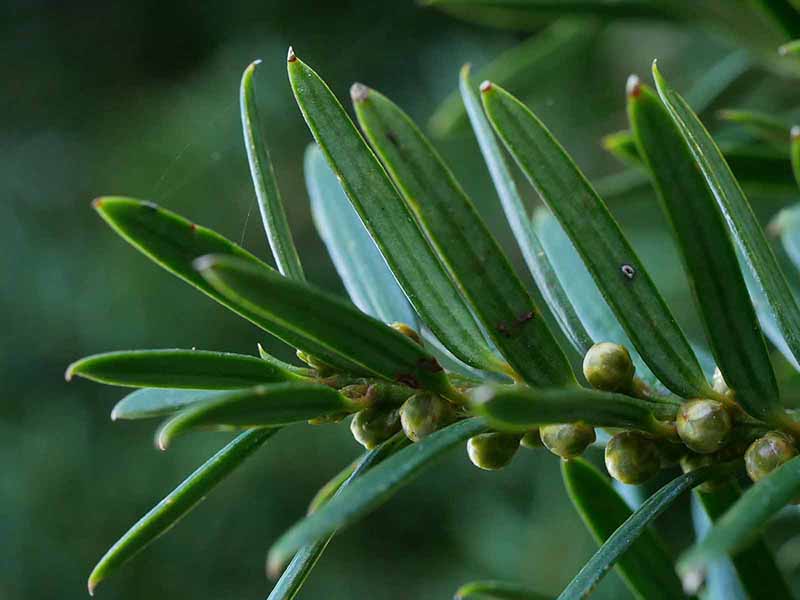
x,y
141,99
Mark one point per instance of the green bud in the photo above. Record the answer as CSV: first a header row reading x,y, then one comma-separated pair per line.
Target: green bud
x,y
531,439
567,440
632,457
407,331
768,453
692,462
704,425
608,367
423,413
372,426
492,451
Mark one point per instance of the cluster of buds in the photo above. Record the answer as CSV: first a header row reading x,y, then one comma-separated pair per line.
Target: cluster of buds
x,y
704,431
708,430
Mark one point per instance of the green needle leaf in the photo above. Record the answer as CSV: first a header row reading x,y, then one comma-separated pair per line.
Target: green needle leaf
x,y
537,261
188,369
739,216
269,199
520,408
530,61
790,48
735,530
460,237
646,567
327,321
618,543
496,590
373,489
764,126
147,403
178,503
260,406
389,221
174,243
303,562
368,281
708,254
754,565
616,269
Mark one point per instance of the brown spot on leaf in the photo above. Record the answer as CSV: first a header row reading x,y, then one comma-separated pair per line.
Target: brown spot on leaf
x,y
408,379
429,364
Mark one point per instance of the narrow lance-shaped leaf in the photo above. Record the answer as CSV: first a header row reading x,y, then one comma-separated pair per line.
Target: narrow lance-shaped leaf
x,y
735,530
178,503
182,369
497,590
755,565
389,221
711,84
790,48
174,243
474,258
539,265
611,260
647,567
739,216
149,402
269,199
761,168
765,126
368,281
373,489
533,60
330,322
260,406
306,558
708,254
619,542
521,408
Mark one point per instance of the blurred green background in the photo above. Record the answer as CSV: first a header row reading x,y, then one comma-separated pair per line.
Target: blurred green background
x,y
141,99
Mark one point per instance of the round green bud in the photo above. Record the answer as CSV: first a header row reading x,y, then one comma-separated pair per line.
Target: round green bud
x,y
372,426
632,457
704,425
492,451
567,440
768,453
608,367
692,462
531,439
423,413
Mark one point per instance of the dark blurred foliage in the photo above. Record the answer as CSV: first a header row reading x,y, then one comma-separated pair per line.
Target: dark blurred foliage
x,y
140,98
